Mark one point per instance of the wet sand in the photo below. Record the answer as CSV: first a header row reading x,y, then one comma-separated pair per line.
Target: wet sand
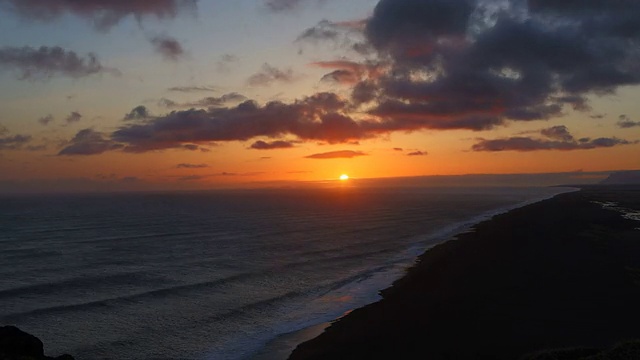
x,y
562,273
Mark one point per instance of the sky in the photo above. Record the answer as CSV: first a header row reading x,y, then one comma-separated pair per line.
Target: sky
x,y
198,94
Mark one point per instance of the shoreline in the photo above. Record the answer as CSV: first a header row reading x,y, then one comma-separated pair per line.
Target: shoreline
x,y
283,344
394,321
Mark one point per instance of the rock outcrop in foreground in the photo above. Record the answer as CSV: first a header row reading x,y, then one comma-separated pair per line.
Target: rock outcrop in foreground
x,y
16,344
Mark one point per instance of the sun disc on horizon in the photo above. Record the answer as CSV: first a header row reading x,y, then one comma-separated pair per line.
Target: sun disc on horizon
x,y
344,177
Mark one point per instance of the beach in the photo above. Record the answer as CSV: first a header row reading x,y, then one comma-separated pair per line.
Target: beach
x,y
558,274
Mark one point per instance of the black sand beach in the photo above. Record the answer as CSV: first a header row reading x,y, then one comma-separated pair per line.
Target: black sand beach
x,y
562,273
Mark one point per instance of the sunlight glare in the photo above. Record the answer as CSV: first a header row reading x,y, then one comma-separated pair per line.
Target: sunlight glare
x,y
344,177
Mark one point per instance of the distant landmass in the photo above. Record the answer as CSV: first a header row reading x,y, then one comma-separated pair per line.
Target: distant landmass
x,y
623,178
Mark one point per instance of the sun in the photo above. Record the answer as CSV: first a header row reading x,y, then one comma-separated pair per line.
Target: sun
x,y
344,177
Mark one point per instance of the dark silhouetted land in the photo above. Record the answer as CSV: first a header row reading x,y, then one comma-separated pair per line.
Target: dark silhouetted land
x,y
562,273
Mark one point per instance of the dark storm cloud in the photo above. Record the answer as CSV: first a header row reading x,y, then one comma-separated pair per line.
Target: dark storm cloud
x,y
449,64
406,22
191,166
45,62
364,92
210,101
89,142
625,123
317,117
168,47
45,120
269,74
264,145
102,13
74,117
459,64
556,138
344,154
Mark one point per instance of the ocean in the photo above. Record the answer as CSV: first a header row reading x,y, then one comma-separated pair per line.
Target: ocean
x,y
220,274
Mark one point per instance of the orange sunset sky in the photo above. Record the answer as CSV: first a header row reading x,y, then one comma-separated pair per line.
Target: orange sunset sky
x,y
188,94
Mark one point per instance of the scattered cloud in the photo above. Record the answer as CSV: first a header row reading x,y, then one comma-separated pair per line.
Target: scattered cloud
x,y
398,149
45,62
263,145
168,47
558,133
138,113
45,120
348,154
625,122
101,13
556,138
74,117
13,142
89,142
269,75
191,166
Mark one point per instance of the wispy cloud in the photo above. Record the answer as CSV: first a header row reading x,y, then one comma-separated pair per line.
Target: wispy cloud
x,y
74,117
349,72
13,142
45,120
168,47
625,122
555,138
189,89
282,5
191,166
337,155
417,153
263,145
45,62
211,101
103,14
269,75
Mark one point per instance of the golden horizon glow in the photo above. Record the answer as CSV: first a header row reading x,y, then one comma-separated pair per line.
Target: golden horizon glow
x,y
344,177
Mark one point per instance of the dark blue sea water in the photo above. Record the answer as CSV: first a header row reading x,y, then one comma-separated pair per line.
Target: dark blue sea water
x,y
214,275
